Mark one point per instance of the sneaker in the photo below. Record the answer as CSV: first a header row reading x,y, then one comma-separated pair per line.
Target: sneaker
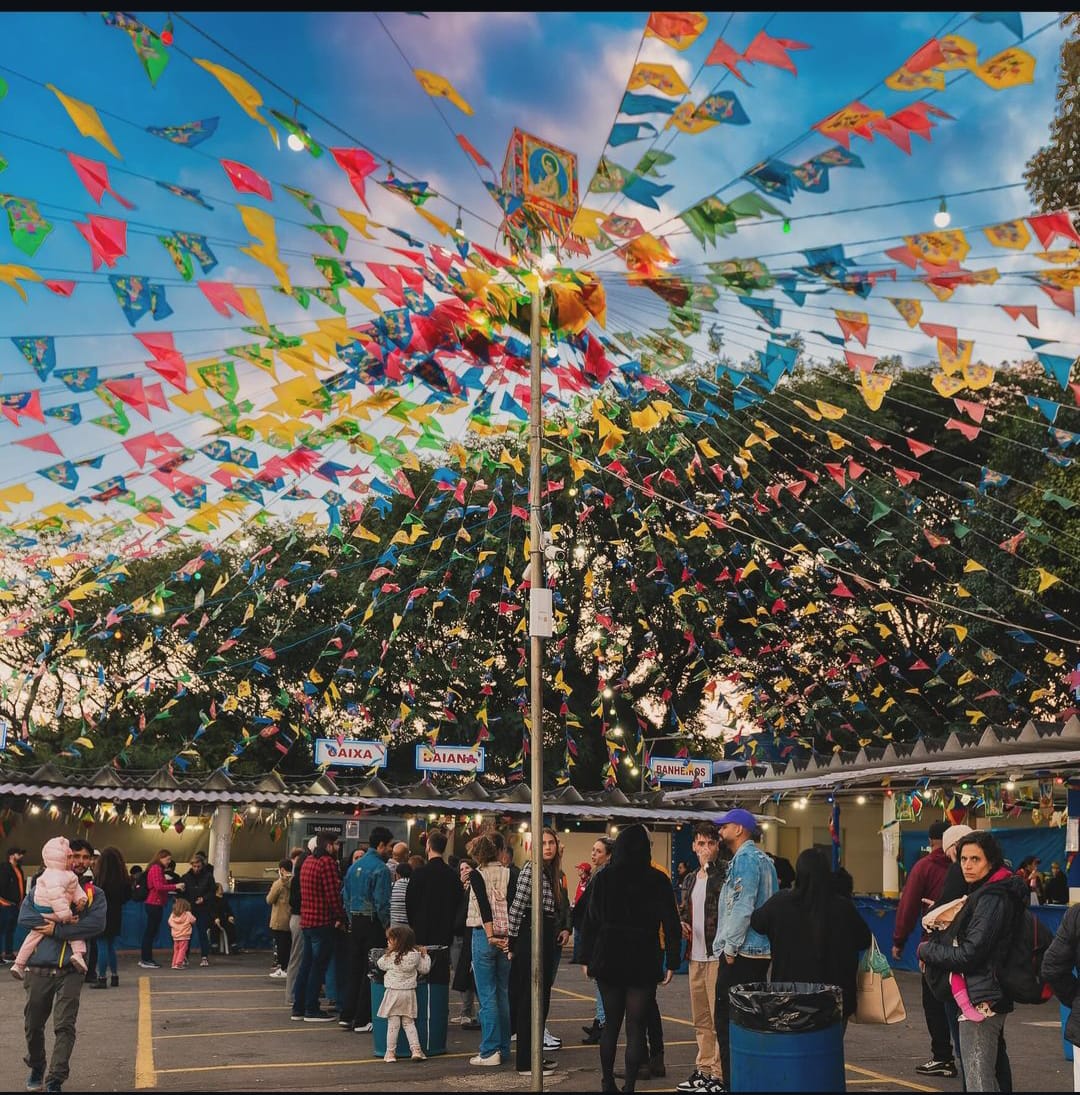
x,y
345,1023
365,1029
319,1017
53,1085
470,1024
938,1068
695,1082
390,1058
36,1080
552,1044
713,1086
418,1055
18,972
279,973
548,1068
297,1018
151,965
492,1060
204,962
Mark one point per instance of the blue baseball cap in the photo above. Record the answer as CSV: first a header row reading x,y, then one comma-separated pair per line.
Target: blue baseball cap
x,y
739,817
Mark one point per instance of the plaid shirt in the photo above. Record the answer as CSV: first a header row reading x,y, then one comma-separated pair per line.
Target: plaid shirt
x,y
521,906
320,893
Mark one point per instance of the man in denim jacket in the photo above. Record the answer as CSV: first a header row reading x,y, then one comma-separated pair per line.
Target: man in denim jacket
x,y
745,955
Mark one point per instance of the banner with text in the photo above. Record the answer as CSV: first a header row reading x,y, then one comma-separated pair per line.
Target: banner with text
x,y
682,770
449,758
348,753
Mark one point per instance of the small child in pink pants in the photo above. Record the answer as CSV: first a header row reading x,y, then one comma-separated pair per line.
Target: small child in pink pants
x,y
938,920
181,920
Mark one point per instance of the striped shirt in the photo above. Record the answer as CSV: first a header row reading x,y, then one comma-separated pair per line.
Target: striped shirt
x,y
397,902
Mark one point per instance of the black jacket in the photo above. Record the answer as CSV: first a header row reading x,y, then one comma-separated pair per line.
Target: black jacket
x,y
1059,967
620,941
12,883
797,956
116,897
200,885
294,885
1057,889
982,932
432,902
954,885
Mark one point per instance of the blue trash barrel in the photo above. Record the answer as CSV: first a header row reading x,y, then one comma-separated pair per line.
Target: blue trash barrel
x,y
432,1006
786,1037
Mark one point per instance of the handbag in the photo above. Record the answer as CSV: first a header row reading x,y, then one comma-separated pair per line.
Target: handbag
x,y
877,995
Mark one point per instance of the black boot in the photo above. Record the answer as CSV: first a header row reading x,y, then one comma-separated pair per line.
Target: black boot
x,y
656,1065
98,983
114,981
592,1034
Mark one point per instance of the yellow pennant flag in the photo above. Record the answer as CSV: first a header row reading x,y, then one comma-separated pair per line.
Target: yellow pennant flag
x,y
437,86
86,120
1009,68
12,273
1046,580
662,77
261,226
247,96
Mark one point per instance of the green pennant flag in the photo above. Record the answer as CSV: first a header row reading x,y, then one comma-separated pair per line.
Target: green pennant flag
x,y
28,227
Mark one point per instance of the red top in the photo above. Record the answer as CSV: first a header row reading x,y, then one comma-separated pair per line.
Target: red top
x,y
921,893
157,889
320,893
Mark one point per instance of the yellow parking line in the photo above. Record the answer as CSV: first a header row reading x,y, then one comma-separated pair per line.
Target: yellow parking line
x,y
880,1076
350,1061
579,996
145,1076
199,1011
297,1028
217,992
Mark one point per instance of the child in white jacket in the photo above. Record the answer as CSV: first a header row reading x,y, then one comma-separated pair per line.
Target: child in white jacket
x,y
401,963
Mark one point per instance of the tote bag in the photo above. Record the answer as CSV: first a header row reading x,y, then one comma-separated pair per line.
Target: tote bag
x,y
877,994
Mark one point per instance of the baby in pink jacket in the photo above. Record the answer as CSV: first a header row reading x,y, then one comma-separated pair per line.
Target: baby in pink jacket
x,y
55,891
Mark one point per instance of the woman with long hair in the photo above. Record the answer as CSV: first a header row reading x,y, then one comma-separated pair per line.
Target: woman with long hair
x,y
815,933
630,901
972,948
158,890
111,877
520,944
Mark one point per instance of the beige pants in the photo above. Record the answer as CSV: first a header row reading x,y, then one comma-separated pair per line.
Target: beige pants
x,y
702,1003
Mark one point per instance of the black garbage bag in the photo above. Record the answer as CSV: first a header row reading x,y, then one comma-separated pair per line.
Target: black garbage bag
x,y
786,1007
438,975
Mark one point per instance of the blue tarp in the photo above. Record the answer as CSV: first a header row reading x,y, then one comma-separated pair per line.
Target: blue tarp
x,y
1017,844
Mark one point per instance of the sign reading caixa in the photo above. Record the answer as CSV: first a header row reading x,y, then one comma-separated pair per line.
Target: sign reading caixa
x,y
349,753
682,769
449,758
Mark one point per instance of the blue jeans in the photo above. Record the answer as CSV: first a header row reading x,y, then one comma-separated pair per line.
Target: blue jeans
x,y
9,917
601,1016
318,950
491,970
202,926
106,954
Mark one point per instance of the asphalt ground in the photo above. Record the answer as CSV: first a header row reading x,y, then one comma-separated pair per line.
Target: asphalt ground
x,y
227,1028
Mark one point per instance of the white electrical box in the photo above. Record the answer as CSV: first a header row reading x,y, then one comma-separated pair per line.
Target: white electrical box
x,y
541,616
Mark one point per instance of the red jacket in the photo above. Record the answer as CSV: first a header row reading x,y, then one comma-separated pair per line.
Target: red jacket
x,y
157,889
921,892
320,893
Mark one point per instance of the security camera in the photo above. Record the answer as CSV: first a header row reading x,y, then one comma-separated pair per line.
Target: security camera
x,y
553,553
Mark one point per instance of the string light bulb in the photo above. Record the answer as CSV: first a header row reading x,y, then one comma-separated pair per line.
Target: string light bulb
x,y
294,142
942,218
786,229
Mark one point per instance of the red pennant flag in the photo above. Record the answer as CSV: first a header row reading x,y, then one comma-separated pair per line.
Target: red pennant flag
x,y
946,334
60,288
95,177
969,429
971,409
223,297
357,164
854,468
918,448
772,51
865,362
246,180
1051,225
723,54
470,150
905,478
1028,311
1063,298
905,255
851,327
925,57
130,392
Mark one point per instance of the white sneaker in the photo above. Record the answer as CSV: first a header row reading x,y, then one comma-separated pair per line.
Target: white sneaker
x,y
365,1029
490,1061
550,1041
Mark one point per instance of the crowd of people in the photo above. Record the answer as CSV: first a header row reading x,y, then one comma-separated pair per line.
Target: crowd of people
x,y
731,919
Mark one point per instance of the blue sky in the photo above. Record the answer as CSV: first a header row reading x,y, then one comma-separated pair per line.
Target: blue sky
x,y
561,75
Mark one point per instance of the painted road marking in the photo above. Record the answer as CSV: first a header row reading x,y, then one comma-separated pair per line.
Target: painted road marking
x,y
361,1061
217,992
880,1076
145,1076
579,996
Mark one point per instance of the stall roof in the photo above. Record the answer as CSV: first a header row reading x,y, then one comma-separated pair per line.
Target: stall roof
x,y
320,791
1036,747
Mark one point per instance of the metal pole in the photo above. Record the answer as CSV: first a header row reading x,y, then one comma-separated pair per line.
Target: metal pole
x,y
536,736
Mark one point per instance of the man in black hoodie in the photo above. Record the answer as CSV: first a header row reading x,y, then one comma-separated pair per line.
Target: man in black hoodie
x,y
434,896
199,889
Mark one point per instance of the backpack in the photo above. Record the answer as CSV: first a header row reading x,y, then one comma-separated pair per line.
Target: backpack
x,y
140,890
1021,961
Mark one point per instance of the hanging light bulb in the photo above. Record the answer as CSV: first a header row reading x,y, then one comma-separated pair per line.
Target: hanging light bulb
x,y
787,226
942,218
294,142
458,230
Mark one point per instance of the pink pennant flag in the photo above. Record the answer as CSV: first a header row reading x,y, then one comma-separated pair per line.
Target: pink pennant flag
x,y
865,362
246,180
155,396
42,443
946,334
1063,298
969,429
470,150
223,297
130,392
918,448
925,57
60,288
107,239
973,410
357,164
1051,225
95,177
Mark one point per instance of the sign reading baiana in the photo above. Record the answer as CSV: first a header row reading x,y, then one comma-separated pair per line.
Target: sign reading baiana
x,y
682,769
348,753
449,758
